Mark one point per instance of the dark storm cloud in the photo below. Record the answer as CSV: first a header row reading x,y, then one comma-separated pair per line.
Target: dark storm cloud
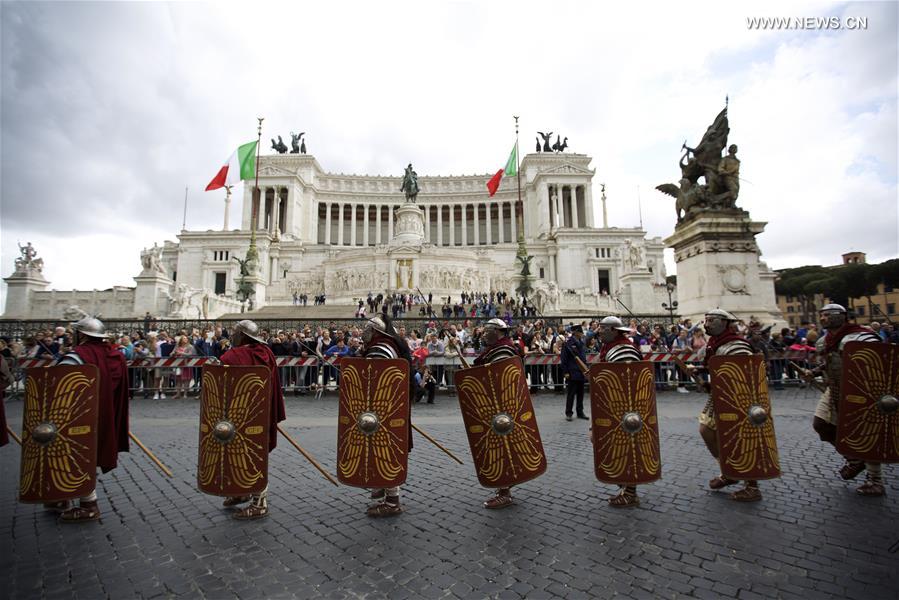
x,y
89,119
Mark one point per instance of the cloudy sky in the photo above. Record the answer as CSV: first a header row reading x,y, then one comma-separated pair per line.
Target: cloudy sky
x,y
109,110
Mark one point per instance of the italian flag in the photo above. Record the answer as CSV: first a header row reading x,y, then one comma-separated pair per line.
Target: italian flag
x,y
510,170
239,166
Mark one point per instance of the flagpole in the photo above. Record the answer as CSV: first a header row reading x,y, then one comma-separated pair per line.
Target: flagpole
x,y
252,253
520,217
184,220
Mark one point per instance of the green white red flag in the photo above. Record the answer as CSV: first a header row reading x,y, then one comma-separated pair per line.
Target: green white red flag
x,y
510,170
239,166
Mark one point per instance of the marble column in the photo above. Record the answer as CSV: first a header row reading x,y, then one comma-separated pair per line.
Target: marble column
x,y
477,225
340,225
353,222
365,224
464,224
514,222
440,225
378,225
489,207
390,222
427,223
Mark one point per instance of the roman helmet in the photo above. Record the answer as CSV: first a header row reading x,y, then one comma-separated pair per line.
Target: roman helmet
x,y
609,329
832,316
718,320
249,329
90,327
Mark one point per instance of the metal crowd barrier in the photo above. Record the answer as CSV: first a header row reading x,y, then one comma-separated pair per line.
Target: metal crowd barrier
x,y
155,377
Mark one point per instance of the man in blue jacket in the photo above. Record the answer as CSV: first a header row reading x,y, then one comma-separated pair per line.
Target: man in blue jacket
x,y
573,349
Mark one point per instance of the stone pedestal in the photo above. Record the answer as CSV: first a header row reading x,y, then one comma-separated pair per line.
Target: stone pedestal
x,y
409,227
150,293
636,288
718,266
20,288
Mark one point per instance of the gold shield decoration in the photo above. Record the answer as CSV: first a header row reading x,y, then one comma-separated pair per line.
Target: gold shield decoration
x,y
747,446
868,412
373,422
234,430
499,419
625,423
59,433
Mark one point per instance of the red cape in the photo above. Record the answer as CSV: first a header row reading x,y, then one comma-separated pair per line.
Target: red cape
x,y
112,422
833,338
260,354
716,341
621,340
483,357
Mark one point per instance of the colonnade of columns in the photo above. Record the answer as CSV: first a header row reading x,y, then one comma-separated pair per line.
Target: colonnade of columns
x,y
472,224
567,206
273,208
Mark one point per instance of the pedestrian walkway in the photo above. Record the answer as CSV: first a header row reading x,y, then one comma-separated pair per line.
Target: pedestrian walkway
x,y
811,536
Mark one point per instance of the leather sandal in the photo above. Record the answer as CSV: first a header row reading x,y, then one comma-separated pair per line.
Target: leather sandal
x,y
852,469
750,493
871,488
721,482
235,500
626,498
499,501
57,507
88,511
385,509
253,511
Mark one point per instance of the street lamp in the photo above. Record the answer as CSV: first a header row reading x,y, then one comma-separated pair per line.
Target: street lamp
x,y
670,306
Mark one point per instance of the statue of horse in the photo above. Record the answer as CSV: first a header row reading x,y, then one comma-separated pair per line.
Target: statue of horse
x,y
410,184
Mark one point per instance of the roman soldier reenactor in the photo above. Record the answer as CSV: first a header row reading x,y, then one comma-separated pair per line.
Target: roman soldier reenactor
x,y
249,349
617,347
723,341
381,341
831,347
499,346
92,348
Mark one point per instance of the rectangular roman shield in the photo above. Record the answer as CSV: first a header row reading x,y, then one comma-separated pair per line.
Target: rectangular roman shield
x,y
747,446
868,410
500,423
625,423
373,422
59,433
234,429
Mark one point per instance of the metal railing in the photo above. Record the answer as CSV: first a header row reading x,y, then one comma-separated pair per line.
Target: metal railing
x,y
159,377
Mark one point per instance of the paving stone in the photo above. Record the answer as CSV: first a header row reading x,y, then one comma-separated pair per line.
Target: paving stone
x,y
810,537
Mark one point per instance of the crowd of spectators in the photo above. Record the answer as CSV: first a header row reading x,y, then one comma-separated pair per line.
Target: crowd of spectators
x,y
473,305
437,339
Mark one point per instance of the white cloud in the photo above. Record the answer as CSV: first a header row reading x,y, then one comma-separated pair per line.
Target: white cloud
x,y
109,111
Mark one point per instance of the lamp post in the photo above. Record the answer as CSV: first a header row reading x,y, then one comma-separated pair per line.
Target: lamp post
x,y
670,306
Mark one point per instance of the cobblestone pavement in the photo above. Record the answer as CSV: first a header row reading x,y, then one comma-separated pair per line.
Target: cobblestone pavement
x,y
811,537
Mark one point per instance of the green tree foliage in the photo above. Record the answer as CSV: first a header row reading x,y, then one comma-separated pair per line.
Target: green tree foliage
x,y
839,284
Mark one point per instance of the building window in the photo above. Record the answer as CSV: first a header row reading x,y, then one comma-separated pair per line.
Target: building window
x,y
891,309
220,282
603,280
542,276
887,289
221,255
790,309
860,311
